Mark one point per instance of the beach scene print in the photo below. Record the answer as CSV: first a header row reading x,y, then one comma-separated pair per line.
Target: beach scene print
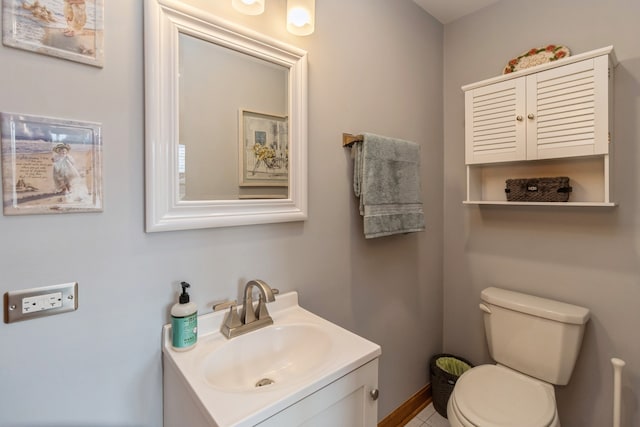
x,y
50,166
70,29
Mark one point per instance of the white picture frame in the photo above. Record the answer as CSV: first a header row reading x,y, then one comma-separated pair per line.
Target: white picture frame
x,y
264,150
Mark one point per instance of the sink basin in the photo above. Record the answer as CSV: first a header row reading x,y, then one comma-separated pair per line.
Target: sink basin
x,y
247,379
272,357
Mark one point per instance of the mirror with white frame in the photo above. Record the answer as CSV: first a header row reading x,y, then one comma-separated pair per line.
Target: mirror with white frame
x,y
226,122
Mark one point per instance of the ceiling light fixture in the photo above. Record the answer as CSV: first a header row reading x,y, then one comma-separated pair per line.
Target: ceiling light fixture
x,y
301,17
300,13
248,7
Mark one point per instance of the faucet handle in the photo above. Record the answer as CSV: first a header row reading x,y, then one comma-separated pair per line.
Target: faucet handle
x,y
231,320
261,310
224,305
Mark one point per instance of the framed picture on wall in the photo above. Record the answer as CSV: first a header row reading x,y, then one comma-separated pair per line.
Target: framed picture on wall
x,y
69,29
264,149
50,165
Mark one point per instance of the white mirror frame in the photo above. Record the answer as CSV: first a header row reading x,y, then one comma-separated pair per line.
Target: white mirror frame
x,y
164,20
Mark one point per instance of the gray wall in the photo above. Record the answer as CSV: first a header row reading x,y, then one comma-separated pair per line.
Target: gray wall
x,y
587,256
374,65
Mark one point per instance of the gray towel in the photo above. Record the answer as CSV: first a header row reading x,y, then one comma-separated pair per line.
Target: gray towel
x,y
386,178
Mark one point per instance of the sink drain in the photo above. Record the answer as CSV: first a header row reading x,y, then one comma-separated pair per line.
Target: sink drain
x,y
265,381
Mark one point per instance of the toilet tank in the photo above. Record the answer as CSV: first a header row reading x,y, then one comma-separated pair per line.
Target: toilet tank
x,y
536,336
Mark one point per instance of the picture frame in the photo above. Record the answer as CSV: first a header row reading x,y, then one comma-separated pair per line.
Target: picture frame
x,y
264,149
50,165
68,29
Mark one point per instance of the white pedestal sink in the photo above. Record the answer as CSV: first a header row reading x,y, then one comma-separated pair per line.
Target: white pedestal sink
x,y
302,370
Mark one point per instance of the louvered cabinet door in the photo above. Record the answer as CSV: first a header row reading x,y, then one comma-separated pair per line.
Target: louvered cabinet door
x,y
567,110
495,129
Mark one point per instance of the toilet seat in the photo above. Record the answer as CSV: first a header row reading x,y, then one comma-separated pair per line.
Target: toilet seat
x,y
496,396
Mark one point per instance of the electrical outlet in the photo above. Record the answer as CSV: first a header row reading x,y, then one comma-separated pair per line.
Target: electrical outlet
x,y
39,302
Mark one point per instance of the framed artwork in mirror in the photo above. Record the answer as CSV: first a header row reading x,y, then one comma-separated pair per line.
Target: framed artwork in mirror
x,y
69,29
264,149
50,165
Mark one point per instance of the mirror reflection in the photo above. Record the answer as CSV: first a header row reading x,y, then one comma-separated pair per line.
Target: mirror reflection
x,y
233,124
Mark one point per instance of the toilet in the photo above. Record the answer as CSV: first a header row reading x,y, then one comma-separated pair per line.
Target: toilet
x,y
535,343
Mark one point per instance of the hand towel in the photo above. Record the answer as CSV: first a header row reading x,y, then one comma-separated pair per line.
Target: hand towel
x,y
386,178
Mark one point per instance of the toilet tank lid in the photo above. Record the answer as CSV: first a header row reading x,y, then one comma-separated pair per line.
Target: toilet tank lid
x,y
536,306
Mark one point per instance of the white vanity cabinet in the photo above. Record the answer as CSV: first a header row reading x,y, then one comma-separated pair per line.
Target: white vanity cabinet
x,y
549,120
350,401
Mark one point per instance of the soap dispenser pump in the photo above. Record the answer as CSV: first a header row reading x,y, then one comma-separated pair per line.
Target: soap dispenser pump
x,y
184,321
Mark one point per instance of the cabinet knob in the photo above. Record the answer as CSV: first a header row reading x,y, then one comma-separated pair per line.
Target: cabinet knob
x,y
374,394
531,116
519,118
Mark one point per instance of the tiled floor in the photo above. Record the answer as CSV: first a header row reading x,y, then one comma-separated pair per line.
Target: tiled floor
x,y
428,417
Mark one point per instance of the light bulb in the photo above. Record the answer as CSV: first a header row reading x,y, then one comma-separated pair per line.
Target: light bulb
x,y
299,16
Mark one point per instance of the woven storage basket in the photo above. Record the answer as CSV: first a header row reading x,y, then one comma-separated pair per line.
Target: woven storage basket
x,y
442,382
556,189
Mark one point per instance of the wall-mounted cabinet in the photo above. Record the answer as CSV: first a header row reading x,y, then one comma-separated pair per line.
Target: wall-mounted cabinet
x,y
549,120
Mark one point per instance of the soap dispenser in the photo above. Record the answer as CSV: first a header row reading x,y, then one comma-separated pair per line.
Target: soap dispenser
x,y
184,322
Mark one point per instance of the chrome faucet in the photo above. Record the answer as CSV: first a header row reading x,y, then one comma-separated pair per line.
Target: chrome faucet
x,y
249,319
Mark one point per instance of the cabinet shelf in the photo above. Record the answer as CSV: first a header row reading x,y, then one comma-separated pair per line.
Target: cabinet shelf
x,y
589,179
559,204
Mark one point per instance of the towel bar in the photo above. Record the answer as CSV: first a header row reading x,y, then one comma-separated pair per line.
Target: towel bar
x,y
348,140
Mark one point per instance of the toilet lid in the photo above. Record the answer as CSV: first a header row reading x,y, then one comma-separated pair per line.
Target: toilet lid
x,y
500,397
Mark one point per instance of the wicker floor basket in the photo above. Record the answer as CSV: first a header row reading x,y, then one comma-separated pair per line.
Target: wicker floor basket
x,y
556,189
442,382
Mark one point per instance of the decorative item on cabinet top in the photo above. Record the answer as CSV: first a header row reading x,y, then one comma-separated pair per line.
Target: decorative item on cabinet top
x,y
536,56
552,119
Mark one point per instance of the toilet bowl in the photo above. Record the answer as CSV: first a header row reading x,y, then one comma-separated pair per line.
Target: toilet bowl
x,y
496,396
535,343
